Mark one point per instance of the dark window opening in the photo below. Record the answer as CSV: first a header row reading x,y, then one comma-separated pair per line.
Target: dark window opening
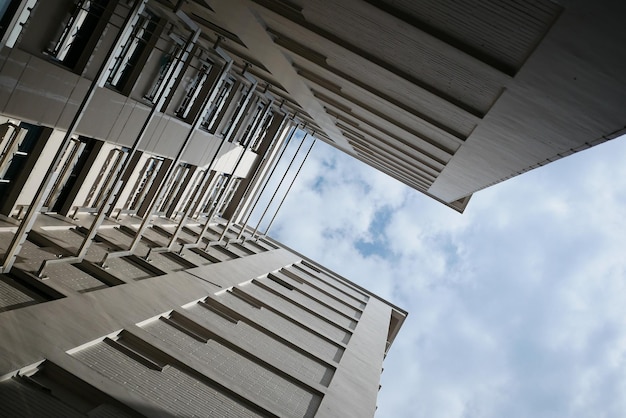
x,y
17,143
132,52
7,11
211,118
192,91
75,160
167,66
78,31
236,112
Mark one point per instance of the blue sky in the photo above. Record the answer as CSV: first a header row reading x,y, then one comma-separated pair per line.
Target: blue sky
x,y
516,307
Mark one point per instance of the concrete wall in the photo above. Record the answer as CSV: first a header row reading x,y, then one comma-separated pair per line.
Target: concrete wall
x,y
40,92
297,342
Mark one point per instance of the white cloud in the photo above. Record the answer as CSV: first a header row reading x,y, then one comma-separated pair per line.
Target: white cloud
x,y
515,307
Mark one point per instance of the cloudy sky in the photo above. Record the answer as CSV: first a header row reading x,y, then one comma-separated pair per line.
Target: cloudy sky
x,y
517,308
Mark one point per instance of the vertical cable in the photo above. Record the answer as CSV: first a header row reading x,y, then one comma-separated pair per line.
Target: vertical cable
x,y
289,188
256,201
249,186
279,184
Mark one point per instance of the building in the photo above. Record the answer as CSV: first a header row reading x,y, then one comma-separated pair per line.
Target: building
x,y
254,330
132,145
446,98
137,135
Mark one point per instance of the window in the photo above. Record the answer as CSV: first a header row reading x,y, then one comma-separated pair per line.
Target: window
x,y
10,145
105,183
77,32
7,10
15,145
234,115
215,192
253,120
168,65
13,16
211,117
262,130
193,89
146,177
229,196
192,195
177,181
129,56
258,123
69,164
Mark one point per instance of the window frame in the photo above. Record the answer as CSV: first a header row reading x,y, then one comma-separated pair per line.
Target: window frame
x,y
169,69
65,50
195,89
134,51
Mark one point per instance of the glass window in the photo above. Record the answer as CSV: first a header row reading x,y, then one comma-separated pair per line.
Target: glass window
x,y
167,67
229,196
262,129
17,143
211,117
132,49
144,181
237,110
255,122
215,192
77,32
193,89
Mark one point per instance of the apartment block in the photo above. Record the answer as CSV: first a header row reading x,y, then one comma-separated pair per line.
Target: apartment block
x,y
135,144
136,137
254,329
446,99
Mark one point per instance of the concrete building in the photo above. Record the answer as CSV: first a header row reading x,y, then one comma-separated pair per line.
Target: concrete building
x,y
132,142
137,135
254,330
446,98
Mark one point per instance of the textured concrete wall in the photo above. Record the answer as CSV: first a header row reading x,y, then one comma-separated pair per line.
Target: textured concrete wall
x,y
40,92
70,322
